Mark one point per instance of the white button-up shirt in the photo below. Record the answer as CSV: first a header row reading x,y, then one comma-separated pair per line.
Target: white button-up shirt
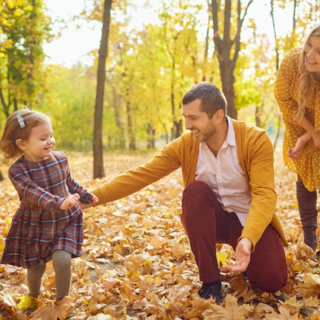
x,y
225,176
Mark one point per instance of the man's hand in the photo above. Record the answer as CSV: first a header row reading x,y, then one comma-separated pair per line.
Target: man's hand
x,y
84,206
243,251
70,201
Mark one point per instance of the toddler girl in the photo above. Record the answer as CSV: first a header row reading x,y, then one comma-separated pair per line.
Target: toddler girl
x,y
49,222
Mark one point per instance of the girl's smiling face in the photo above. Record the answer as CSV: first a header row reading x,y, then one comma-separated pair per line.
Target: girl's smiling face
x,y
312,51
40,143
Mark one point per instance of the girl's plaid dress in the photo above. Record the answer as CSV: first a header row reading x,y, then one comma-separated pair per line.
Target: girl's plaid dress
x,y
39,227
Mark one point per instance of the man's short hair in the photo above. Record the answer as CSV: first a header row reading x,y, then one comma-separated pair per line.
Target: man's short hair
x,y
212,98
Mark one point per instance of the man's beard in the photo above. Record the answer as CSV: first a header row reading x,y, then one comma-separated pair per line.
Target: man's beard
x,y
209,132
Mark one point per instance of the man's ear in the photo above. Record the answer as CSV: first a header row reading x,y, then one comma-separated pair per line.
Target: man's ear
x,y
219,115
21,144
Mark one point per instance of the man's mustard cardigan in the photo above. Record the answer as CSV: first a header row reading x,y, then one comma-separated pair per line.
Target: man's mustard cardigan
x,y
255,154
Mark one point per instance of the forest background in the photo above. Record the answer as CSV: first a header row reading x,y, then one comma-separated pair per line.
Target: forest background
x,y
156,51
125,93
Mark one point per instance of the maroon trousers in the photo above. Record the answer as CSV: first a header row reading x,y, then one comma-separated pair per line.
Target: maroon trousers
x,y
206,224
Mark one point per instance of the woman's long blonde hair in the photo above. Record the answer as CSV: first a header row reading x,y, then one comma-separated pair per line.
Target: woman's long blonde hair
x,y
305,77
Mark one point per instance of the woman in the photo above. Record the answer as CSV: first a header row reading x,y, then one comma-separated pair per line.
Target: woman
x,y
297,90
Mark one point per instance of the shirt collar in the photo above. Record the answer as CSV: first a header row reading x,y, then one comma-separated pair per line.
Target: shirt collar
x,y
230,139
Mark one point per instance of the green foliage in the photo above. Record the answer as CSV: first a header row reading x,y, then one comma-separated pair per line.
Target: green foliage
x,y
70,104
24,28
148,70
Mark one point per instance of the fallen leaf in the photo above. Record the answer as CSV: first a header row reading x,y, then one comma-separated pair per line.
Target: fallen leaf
x,y
58,310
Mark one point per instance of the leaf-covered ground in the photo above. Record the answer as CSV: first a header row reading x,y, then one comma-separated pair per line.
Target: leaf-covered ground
x,y
137,261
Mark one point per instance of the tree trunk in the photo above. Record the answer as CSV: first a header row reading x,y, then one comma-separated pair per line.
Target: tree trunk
x,y
172,101
132,140
257,114
224,47
98,170
277,68
30,75
294,15
278,132
228,80
207,41
122,139
151,132
167,134
6,106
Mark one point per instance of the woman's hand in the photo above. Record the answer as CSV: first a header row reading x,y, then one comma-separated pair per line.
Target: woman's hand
x,y
316,139
70,201
301,142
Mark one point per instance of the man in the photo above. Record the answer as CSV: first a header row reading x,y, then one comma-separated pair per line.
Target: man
x,y
229,195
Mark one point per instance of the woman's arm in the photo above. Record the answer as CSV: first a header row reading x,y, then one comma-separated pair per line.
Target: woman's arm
x,y
305,124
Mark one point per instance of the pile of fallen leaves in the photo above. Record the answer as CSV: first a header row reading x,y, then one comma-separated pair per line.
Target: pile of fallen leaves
x,y
138,264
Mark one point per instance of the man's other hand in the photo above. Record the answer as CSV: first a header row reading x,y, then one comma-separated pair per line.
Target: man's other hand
x,y
243,251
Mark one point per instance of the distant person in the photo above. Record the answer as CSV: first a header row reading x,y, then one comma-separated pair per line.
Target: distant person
x,y
297,90
49,222
229,195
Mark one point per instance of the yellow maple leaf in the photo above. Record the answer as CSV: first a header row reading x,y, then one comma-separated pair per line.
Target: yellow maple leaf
x,y
25,302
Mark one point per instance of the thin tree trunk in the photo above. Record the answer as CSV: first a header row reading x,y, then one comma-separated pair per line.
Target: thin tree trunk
x,y
166,131
6,106
151,132
30,74
278,132
132,140
98,170
275,35
173,135
122,139
207,40
277,66
257,114
294,15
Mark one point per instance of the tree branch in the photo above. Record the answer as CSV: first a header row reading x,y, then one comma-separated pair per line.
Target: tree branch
x,y
216,38
237,38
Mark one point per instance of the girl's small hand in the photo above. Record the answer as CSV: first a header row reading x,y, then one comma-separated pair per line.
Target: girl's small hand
x,y
70,201
84,206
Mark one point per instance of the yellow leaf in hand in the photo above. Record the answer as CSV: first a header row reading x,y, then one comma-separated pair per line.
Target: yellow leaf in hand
x,y
222,257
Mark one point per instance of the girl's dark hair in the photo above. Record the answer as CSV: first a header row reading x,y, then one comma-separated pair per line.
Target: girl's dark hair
x,y
212,98
13,131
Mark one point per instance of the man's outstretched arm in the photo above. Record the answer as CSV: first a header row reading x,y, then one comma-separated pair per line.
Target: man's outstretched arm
x,y
134,180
